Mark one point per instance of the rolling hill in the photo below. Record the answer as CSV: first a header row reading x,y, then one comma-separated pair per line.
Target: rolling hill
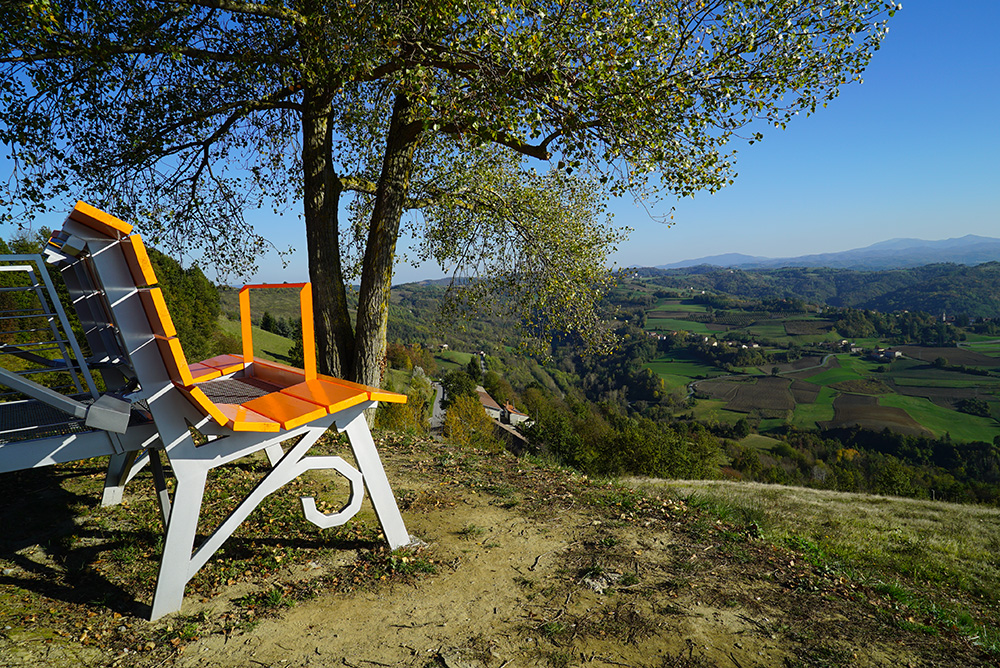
x,y
891,254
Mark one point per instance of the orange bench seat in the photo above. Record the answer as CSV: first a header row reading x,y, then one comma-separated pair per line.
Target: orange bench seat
x,y
258,395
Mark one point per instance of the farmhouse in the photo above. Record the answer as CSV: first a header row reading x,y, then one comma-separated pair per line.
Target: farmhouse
x,y
490,405
512,416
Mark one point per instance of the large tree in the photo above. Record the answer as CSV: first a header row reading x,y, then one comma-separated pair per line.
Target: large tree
x,y
185,114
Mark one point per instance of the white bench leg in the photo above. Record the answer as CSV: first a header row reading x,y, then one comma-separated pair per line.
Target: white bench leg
x,y
375,480
175,565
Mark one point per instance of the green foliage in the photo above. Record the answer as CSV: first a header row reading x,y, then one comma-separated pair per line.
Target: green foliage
x,y
458,384
932,289
474,369
608,443
411,417
425,105
974,406
193,302
466,423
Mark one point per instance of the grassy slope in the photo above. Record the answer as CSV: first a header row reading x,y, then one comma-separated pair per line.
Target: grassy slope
x,y
265,344
279,302
937,556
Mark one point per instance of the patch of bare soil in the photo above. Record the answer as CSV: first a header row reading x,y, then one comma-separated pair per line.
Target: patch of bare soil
x,y
807,327
953,355
946,397
718,389
525,565
769,393
862,386
804,392
865,411
831,363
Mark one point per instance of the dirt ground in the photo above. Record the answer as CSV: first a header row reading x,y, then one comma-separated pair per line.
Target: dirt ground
x,y
525,565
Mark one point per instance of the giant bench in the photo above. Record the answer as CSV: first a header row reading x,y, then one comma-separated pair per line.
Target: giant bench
x,y
152,402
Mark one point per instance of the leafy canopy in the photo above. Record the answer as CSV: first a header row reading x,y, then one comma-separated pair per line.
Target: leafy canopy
x,y
185,114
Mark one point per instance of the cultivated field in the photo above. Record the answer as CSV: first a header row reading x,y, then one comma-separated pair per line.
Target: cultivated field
x,y
851,410
953,355
916,395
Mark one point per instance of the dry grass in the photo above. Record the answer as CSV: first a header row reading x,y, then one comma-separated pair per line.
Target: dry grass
x,y
944,553
935,541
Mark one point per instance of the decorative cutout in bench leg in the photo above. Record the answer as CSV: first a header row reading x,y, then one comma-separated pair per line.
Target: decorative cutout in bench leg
x,y
353,505
375,480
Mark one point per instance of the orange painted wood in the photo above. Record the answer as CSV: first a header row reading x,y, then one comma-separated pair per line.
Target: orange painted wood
x,y
276,374
201,401
200,372
225,363
331,396
137,258
99,221
243,419
287,411
374,393
155,306
246,331
178,368
308,337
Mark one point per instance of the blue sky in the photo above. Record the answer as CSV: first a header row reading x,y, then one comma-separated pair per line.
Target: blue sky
x,y
909,153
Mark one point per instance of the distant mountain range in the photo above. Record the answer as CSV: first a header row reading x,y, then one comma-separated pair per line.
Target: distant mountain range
x,y
892,254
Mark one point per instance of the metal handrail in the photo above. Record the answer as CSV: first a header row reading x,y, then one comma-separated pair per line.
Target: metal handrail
x,y
35,268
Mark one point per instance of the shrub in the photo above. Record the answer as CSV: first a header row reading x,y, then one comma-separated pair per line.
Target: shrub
x,y
466,423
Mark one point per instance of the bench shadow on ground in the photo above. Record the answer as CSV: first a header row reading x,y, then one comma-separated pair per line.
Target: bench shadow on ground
x,y
46,550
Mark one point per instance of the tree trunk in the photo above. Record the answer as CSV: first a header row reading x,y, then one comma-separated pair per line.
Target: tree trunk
x,y
380,250
322,188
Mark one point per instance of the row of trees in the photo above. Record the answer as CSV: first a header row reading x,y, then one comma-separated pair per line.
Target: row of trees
x,y
857,460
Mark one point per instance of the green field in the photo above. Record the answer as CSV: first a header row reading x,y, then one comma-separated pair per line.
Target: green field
x,y
759,442
672,382
712,410
673,324
940,420
452,360
676,370
989,347
770,329
805,416
913,373
678,364
831,376
971,337
678,305
266,345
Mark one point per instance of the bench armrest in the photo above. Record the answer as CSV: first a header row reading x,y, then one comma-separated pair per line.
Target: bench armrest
x,y
306,310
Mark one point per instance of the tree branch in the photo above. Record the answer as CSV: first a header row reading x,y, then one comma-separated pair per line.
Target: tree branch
x,y
249,8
